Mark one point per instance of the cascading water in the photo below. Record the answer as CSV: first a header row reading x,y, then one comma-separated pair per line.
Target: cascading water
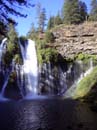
x,y
30,66
5,83
6,72
52,80
70,91
49,79
2,49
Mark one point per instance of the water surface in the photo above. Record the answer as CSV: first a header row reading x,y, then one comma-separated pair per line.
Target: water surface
x,y
46,114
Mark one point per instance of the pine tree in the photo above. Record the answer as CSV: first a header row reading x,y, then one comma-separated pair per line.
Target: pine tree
x,y
93,13
73,11
51,22
58,20
3,30
38,12
32,34
12,39
8,7
41,17
12,50
83,11
12,34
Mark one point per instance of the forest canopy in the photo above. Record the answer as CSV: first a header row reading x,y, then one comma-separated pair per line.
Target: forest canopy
x,y
11,7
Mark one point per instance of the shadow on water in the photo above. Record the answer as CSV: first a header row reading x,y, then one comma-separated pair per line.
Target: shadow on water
x,y
46,114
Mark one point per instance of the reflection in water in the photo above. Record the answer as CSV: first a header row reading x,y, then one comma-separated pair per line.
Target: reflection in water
x,y
46,114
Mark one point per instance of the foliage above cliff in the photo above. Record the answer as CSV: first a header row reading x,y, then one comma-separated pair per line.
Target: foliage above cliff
x,y
93,12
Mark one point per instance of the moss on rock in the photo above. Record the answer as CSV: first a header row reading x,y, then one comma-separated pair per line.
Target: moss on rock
x,y
86,84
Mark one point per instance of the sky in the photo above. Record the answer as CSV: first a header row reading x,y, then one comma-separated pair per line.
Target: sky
x,y
52,7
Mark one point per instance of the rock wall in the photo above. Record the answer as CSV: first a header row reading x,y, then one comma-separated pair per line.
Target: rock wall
x,y
74,39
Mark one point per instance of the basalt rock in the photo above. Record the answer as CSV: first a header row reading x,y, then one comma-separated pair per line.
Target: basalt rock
x,y
74,39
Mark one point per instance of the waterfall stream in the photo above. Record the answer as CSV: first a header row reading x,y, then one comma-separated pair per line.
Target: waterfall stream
x,y
30,66
2,49
47,79
70,91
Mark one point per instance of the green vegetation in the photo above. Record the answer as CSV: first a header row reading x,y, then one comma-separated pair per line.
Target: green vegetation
x,y
3,30
74,12
86,84
22,39
51,22
9,8
82,56
49,37
13,50
33,34
41,17
46,53
93,12
54,21
86,57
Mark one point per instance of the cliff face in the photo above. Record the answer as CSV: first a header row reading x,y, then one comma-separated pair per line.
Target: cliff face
x,y
74,39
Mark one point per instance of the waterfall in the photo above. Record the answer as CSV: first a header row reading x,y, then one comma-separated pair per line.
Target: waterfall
x,y
70,91
2,50
4,72
62,81
52,80
90,67
49,79
7,76
30,66
20,78
5,83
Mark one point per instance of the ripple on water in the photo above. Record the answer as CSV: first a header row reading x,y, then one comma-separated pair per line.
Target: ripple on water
x,y
46,114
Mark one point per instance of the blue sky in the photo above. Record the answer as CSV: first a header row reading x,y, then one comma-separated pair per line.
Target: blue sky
x,y
52,8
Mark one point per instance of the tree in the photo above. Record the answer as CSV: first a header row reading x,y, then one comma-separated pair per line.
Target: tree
x,y
73,9
42,19
83,11
50,22
41,16
93,12
12,34
49,37
3,30
38,12
58,20
8,7
32,33
54,20
12,46
11,7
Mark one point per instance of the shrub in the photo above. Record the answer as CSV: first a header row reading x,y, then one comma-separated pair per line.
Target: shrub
x,y
49,37
45,53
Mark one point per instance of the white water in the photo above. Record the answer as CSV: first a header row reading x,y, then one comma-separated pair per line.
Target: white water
x,y
91,68
70,91
30,66
2,49
20,80
27,74
5,84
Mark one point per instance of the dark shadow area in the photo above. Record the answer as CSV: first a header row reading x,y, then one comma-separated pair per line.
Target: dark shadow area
x,y
47,114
